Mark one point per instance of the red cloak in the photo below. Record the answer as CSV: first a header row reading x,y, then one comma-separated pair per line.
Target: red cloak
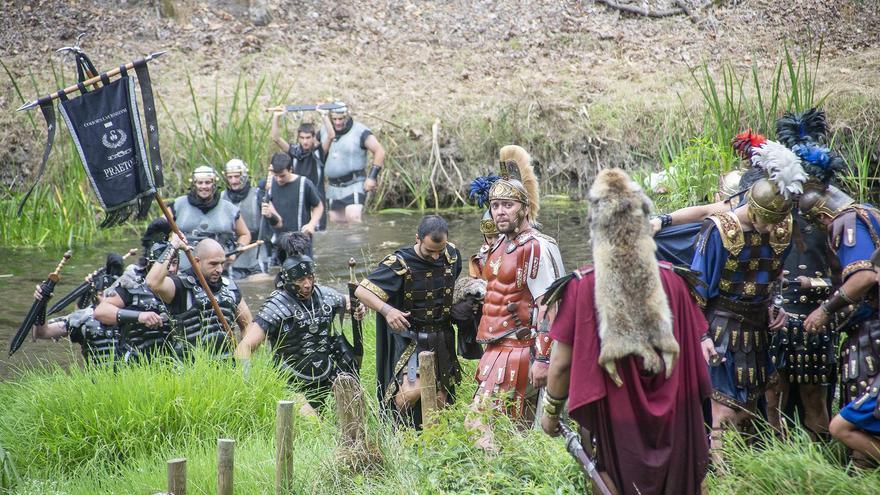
x,y
650,432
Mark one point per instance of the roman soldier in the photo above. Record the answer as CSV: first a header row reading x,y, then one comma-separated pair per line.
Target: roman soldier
x,y
411,291
141,316
806,362
739,255
518,269
298,320
203,214
240,193
196,323
100,344
629,357
853,235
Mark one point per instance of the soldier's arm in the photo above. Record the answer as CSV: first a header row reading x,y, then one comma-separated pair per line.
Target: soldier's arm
x,y
329,132
369,299
157,278
105,312
243,317
375,147
242,232
253,337
275,133
52,330
692,214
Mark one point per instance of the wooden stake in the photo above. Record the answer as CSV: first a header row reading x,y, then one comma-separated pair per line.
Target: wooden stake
x,y
428,381
225,465
177,476
351,410
284,447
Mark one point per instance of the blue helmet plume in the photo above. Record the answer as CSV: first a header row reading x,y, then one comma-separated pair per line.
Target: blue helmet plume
x,y
479,190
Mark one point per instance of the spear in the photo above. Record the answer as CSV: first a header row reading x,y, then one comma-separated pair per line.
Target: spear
x,y
244,248
89,82
576,449
37,313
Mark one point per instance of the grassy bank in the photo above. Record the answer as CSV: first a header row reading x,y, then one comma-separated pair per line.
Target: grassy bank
x,y
95,431
683,130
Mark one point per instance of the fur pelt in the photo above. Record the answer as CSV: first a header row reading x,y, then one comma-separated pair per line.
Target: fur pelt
x,y
527,176
468,286
633,311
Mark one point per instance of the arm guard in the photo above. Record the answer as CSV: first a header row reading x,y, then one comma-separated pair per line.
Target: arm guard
x,y
543,342
127,316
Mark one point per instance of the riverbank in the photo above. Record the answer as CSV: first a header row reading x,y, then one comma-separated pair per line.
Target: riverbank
x,y
581,86
98,431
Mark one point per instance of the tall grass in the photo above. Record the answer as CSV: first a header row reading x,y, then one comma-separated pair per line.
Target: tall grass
x,y
733,103
225,127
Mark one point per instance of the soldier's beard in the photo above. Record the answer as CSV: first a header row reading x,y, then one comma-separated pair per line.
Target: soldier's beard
x,y
515,225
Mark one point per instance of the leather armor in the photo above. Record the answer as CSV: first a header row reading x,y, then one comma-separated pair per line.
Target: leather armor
x,y
199,325
140,339
301,333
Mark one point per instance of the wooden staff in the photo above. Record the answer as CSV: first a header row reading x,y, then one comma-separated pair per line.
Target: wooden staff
x,y
244,248
90,82
197,271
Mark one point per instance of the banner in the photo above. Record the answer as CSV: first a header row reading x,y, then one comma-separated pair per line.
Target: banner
x,y
106,128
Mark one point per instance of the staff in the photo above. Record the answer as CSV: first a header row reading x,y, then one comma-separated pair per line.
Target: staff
x,y
356,329
244,248
37,313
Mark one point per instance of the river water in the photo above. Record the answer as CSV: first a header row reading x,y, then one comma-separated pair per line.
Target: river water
x,y
368,243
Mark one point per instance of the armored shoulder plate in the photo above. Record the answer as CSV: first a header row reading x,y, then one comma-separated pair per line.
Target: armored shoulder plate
x,y
396,263
451,253
277,307
330,296
729,227
557,288
780,235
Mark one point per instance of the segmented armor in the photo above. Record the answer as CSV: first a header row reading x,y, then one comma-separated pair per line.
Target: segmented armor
x,y
301,333
141,340
198,325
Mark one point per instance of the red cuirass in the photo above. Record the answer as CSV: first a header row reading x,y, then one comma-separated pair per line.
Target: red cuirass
x,y
506,273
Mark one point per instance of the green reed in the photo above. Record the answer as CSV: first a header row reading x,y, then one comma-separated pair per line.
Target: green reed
x,y
235,126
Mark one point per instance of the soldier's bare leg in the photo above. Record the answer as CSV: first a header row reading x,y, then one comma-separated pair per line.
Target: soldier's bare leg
x,y
814,399
854,438
354,213
723,418
776,396
410,393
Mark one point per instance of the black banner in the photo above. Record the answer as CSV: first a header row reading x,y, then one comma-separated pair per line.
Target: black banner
x,y
106,129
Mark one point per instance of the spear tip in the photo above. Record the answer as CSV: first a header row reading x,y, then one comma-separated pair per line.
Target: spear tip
x,y
27,106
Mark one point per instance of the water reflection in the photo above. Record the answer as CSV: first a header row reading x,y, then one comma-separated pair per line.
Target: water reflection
x,y
21,270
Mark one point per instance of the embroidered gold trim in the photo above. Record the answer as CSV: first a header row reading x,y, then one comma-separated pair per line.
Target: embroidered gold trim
x,y
856,266
731,231
375,289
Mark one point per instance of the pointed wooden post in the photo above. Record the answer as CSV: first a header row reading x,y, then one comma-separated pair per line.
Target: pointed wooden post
x,y
428,381
284,447
225,465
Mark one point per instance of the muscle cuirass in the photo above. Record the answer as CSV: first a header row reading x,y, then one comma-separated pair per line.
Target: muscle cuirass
x,y
199,325
141,339
508,304
217,224
304,343
346,155
427,296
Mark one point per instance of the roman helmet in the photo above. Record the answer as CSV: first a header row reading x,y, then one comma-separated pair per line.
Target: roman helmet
x,y
728,184
820,198
293,269
236,165
341,110
203,172
523,190
771,199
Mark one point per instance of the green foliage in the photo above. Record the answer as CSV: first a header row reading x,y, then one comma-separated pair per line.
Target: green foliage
x,y
63,421
787,467
235,126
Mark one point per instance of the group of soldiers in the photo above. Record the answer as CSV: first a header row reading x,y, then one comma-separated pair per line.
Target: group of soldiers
x,y
740,304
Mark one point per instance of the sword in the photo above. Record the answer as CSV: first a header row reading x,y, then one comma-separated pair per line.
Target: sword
x,y
37,313
83,288
576,449
309,107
